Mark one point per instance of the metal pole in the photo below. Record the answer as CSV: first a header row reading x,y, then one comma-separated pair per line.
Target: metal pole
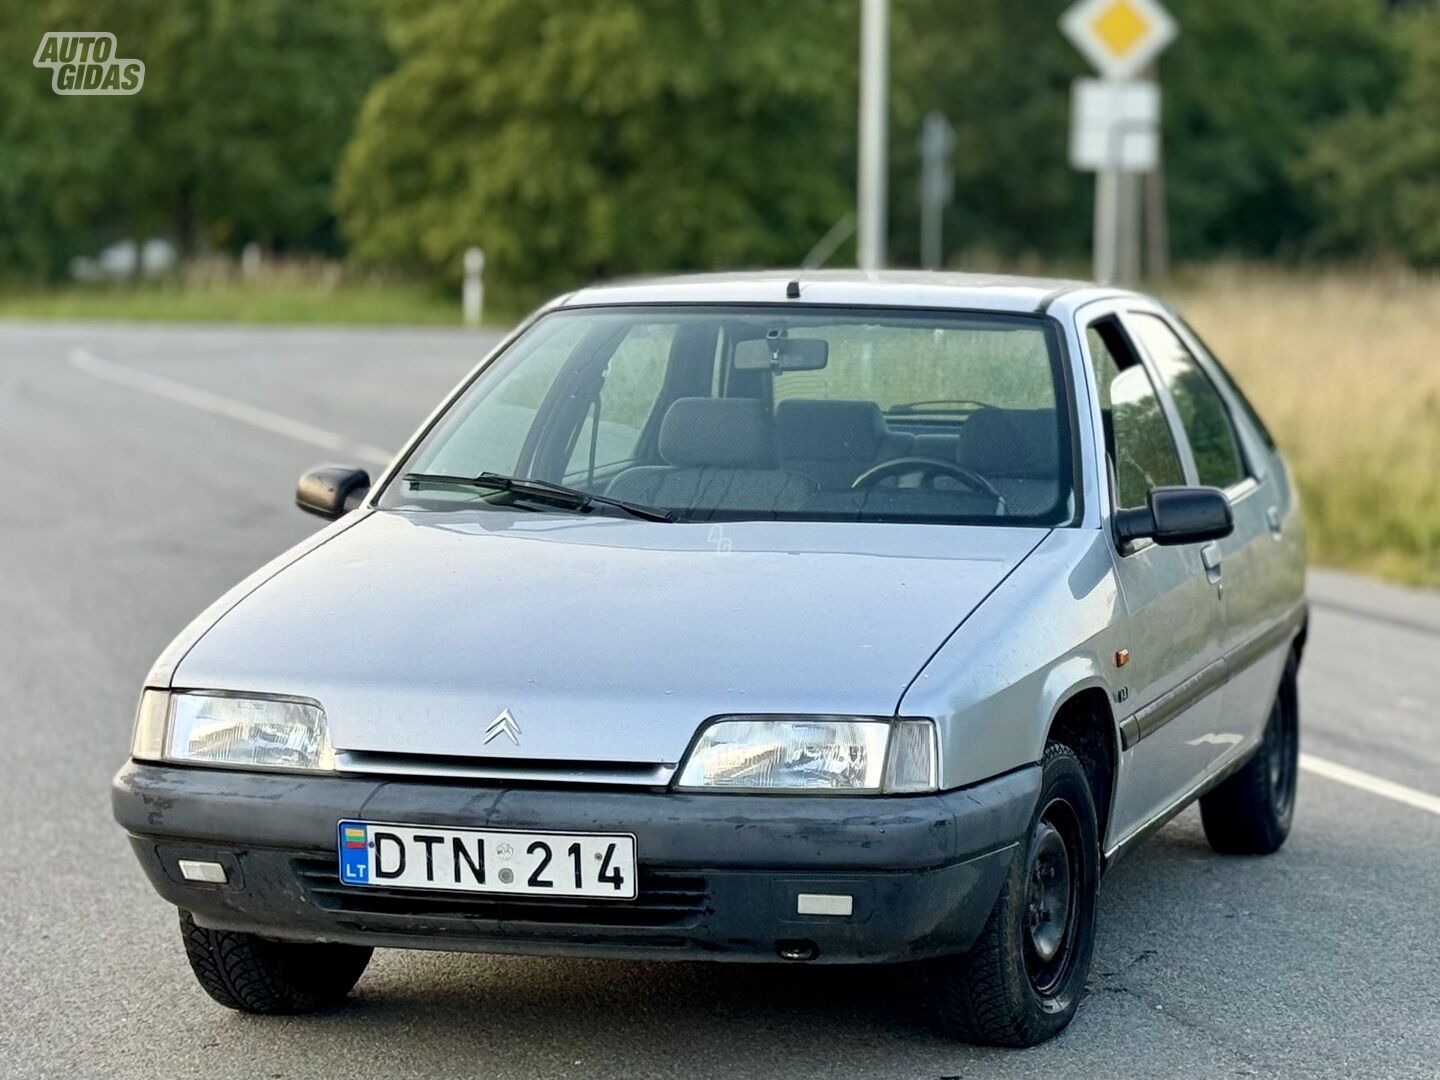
x,y
826,246
874,102
930,224
1157,231
1128,242
1107,189
1157,228
1117,213
937,142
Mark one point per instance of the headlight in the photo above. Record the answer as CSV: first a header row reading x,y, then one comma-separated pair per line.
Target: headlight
x,y
813,753
247,732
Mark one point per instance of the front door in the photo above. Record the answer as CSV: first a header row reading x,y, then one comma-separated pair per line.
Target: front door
x,y
1170,714
1255,588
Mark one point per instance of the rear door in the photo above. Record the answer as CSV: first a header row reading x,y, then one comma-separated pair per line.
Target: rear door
x,y
1167,706
1251,578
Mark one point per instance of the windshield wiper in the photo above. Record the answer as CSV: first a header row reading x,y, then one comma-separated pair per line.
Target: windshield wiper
x,y
558,494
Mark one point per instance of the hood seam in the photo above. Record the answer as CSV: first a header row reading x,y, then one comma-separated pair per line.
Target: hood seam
x,y
966,618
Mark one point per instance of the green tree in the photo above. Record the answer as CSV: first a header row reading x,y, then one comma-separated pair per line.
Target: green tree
x,y
1249,87
233,137
574,140
1000,71
1246,87
1376,173
54,162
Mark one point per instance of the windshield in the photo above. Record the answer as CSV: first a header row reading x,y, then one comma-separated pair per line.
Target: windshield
x,y
724,413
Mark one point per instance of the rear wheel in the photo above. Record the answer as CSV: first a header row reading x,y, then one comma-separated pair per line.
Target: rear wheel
x,y
1021,982
256,975
1251,812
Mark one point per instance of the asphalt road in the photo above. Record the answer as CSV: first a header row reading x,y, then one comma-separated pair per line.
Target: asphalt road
x,y
146,470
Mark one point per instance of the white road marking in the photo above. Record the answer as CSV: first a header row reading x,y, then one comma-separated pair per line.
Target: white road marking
x,y
1387,789
229,408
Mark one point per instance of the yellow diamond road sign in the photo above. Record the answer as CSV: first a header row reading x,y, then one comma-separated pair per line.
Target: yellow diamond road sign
x,y
1120,37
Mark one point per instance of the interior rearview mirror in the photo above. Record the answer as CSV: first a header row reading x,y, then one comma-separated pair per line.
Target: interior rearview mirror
x,y
329,491
1177,515
781,354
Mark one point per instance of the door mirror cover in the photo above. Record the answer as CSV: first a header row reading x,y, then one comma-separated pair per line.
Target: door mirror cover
x,y
329,491
1177,515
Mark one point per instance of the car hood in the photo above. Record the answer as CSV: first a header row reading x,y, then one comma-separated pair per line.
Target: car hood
x,y
607,639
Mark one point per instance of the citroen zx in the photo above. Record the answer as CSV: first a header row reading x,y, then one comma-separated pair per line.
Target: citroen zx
x,y
822,619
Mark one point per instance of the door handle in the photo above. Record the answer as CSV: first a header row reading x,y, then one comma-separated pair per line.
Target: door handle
x,y
1210,559
1272,518
1210,556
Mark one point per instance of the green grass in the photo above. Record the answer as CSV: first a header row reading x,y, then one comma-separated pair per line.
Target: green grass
x,y
1345,369
275,301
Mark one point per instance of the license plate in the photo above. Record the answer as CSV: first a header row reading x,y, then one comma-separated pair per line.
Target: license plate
x,y
594,865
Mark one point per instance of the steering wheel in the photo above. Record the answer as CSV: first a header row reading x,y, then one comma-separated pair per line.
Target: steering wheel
x,y
925,470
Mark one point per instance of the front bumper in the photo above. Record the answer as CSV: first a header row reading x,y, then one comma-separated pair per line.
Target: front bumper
x,y
718,874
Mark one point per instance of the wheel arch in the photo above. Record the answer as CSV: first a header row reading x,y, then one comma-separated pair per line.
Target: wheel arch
x,y
1084,721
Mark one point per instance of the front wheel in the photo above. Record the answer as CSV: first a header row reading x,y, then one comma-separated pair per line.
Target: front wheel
x,y
256,975
1251,812
1021,982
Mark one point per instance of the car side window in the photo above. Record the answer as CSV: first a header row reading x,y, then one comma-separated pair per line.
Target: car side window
x,y
1218,461
1227,380
488,435
1137,435
616,419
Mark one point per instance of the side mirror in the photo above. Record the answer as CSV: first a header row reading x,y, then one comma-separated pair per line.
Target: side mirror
x,y
329,491
1177,515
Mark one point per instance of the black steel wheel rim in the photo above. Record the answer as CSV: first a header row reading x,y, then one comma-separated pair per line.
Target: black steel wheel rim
x,y
1054,874
1282,745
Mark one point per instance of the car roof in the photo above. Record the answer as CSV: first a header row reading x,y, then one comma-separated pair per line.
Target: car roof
x,y
897,288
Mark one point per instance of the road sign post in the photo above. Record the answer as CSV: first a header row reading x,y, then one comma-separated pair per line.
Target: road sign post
x,y
937,186
1115,121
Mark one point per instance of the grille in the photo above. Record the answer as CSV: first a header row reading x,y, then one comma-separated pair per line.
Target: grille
x,y
665,899
510,771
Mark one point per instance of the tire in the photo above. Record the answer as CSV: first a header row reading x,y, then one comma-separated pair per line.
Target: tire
x,y
256,975
1005,991
1251,812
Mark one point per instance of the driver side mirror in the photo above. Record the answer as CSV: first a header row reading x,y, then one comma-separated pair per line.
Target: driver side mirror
x,y
328,491
1177,515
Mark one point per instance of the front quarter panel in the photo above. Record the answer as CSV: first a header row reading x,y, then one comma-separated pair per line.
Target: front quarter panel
x,y
1047,632
162,672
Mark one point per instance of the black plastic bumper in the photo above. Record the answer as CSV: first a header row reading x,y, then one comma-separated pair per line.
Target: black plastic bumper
x,y
718,874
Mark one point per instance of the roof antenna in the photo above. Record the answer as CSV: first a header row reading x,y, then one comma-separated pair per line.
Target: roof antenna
x,y
792,291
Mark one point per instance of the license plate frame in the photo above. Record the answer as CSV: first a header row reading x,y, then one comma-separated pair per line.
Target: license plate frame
x,y
487,862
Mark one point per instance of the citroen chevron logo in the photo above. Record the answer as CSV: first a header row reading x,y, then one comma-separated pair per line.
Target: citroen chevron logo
x,y
504,724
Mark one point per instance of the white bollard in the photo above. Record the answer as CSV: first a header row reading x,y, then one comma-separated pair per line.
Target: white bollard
x,y
472,296
250,261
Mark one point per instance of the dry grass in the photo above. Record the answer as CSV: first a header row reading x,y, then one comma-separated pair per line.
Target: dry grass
x,y
1345,370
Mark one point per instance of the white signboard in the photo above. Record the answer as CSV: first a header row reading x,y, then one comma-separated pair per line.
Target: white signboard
x,y
1114,125
1120,37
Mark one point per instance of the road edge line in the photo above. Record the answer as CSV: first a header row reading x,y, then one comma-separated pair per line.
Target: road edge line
x,y
1387,789
254,416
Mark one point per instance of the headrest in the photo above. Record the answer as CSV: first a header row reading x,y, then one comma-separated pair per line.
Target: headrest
x,y
1010,443
829,430
722,433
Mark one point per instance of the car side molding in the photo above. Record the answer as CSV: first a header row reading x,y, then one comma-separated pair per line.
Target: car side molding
x,y
1151,717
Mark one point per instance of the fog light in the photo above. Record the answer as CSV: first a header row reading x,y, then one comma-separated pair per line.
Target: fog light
x,y
211,873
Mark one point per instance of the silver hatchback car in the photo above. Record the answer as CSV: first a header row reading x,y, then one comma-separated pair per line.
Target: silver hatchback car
x,y
823,619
